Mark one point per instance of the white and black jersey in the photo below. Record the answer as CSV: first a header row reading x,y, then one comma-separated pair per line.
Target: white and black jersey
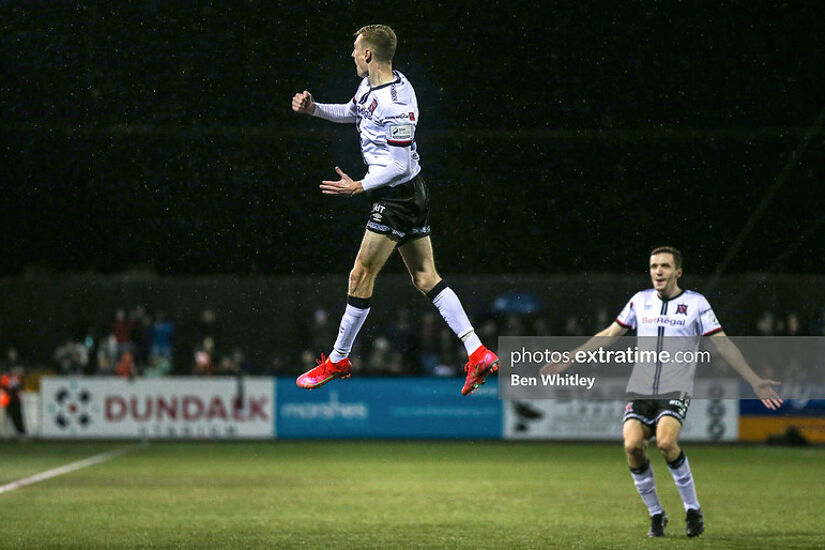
x,y
674,326
386,117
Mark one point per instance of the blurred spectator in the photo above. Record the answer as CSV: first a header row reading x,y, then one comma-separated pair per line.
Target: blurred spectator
x,y
357,365
489,331
448,365
163,330
378,356
122,328
242,361
205,358
107,356
72,357
573,327
792,325
396,365
448,346
11,388
11,361
158,366
142,335
602,320
765,326
401,333
90,341
308,361
126,366
227,367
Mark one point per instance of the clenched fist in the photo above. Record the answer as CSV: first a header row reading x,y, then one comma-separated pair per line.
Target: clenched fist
x,y
302,103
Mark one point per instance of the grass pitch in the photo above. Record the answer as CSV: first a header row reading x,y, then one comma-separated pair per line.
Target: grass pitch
x,y
401,495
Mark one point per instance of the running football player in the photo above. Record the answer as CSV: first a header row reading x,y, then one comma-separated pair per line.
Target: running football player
x,y
659,397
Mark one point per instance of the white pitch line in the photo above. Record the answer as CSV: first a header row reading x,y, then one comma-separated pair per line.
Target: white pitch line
x,y
71,467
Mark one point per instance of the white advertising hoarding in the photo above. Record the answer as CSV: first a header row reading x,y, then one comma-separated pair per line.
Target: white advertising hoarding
x,y
174,407
576,419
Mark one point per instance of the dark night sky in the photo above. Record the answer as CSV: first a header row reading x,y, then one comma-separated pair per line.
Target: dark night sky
x,y
556,138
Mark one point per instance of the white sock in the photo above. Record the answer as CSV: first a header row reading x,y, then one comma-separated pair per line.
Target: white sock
x,y
646,485
453,313
471,342
351,323
680,470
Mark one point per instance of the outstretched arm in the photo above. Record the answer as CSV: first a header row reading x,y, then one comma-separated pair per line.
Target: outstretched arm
x,y
304,104
762,387
603,338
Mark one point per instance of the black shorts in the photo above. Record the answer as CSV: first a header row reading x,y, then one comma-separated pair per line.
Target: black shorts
x,y
650,411
402,212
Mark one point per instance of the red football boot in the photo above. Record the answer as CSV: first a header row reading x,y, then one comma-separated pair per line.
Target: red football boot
x,y
324,372
482,363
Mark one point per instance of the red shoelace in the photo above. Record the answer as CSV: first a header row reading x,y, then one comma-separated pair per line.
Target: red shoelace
x,y
322,362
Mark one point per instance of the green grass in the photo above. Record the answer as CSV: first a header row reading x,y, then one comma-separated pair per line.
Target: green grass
x,y
401,495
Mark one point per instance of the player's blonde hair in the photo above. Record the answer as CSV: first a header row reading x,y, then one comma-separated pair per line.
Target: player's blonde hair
x,y
382,41
677,256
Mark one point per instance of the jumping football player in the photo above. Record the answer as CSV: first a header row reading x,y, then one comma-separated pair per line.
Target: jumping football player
x,y
668,311
385,112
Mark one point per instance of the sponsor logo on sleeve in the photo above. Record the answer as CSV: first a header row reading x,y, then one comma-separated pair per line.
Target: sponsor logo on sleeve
x,y
401,132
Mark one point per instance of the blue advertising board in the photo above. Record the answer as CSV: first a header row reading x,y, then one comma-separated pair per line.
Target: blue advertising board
x,y
791,407
387,408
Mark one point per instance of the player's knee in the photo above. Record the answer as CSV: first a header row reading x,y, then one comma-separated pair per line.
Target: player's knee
x,y
666,444
634,446
358,276
424,281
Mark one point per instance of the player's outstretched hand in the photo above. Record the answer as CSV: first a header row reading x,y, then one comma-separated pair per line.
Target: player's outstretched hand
x,y
764,390
554,368
303,103
344,186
